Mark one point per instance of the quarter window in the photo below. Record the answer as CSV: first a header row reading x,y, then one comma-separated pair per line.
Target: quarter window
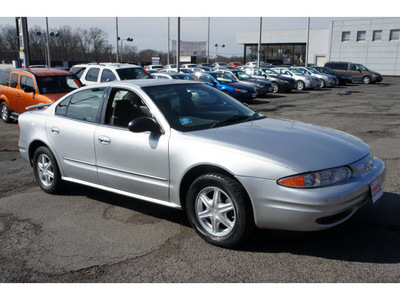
x,y
377,35
345,36
361,36
92,74
394,35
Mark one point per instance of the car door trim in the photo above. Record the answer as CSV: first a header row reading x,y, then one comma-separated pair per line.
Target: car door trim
x,y
132,195
132,173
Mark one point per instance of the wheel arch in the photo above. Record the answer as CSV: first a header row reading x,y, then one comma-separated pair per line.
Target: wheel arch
x,y
32,148
194,173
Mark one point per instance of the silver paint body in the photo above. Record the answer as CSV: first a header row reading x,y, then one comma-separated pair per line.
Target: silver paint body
x,y
257,153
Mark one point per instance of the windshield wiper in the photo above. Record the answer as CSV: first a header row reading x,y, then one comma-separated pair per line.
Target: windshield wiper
x,y
236,119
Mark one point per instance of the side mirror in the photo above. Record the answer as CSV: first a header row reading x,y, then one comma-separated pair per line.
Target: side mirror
x,y
29,89
144,124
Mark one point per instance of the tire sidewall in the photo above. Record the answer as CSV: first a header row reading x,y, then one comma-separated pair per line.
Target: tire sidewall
x,y
237,196
7,118
301,87
55,186
366,80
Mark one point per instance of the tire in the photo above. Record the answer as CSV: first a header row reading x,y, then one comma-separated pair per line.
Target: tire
x,y
219,210
275,87
366,80
323,84
5,113
300,85
46,171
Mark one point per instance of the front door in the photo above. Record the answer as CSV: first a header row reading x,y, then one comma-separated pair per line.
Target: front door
x,y
136,163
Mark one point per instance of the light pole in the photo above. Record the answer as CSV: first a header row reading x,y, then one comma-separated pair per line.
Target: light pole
x,y
122,44
47,48
216,50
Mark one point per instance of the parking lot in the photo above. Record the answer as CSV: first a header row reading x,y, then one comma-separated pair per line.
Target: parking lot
x,y
87,235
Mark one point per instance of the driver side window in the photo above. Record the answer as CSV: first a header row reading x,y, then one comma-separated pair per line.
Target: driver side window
x,y
123,107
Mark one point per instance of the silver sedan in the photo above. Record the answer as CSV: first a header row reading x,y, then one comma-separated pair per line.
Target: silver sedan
x,y
189,146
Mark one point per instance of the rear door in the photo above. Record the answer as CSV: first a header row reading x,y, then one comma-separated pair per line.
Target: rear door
x,y
71,134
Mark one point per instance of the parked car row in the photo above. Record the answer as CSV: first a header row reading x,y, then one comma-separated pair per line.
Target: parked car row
x,y
244,82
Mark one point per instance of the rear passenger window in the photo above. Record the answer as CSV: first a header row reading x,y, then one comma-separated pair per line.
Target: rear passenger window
x,y
83,105
92,74
14,80
107,75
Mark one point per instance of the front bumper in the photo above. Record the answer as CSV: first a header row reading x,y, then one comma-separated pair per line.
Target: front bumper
x,y
283,208
312,84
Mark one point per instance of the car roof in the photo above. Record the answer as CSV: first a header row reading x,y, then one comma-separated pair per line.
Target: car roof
x,y
109,65
140,83
41,72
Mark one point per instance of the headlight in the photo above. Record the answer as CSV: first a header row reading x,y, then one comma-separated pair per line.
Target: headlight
x,y
317,179
241,91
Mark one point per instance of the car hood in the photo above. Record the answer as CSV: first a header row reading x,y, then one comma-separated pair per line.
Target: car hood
x,y
53,97
238,85
298,146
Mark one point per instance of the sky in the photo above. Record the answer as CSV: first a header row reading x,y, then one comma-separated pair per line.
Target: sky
x,y
147,21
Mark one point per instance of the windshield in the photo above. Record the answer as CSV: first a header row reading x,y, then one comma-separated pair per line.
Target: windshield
x,y
133,73
312,71
271,73
57,84
190,107
295,71
364,68
242,75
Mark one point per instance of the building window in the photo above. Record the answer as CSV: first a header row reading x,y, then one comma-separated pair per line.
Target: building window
x,y
377,35
345,36
394,35
361,35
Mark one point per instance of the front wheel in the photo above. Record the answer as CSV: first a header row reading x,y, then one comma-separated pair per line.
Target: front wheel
x,y
219,210
46,171
300,85
275,87
366,80
5,113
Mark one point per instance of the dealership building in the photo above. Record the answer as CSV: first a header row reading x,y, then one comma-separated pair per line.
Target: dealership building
x,y
373,42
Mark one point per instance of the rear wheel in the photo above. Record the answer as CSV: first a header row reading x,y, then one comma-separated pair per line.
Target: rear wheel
x,y
46,171
219,210
5,113
323,84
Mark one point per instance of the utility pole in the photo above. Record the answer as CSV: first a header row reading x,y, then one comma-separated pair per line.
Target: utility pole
x,y
168,41
116,23
259,45
308,41
208,43
178,47
23,42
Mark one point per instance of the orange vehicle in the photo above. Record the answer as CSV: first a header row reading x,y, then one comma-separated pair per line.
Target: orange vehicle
x,y
21,88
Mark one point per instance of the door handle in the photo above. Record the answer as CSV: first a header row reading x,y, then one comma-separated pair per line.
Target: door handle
x,y
55,131
104,140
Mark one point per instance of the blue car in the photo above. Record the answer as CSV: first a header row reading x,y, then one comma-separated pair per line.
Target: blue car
x,y
227,84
